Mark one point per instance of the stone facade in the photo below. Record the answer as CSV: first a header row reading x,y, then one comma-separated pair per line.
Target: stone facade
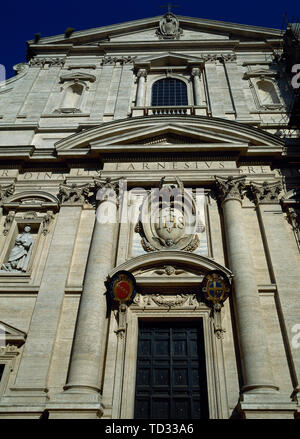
x,y
78,121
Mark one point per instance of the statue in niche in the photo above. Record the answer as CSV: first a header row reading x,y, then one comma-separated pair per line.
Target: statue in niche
x,y
20,254
169,27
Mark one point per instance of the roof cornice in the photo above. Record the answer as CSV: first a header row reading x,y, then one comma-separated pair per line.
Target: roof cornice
x,y
204,24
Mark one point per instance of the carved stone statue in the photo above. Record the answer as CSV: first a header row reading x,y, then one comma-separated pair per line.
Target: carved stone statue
x,y
20,254
169,27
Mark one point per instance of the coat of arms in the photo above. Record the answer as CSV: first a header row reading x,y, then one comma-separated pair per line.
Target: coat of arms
x,y
169,27
168,219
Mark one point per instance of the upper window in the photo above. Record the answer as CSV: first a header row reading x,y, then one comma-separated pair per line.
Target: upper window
x,y
267,93
169,92
72,96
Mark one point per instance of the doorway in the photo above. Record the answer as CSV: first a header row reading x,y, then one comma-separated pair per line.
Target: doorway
x,y
171,378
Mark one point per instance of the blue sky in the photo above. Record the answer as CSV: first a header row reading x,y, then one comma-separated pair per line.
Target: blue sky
x,y
22,19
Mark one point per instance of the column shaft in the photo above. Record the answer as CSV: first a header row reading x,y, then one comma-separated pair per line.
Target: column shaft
x,y
252,336
197,89
140,96
88,341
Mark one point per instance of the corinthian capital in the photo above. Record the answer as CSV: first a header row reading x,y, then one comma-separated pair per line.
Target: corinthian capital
x,y
74,194
108,189
196,71
265,192
230,188
6,191
142,72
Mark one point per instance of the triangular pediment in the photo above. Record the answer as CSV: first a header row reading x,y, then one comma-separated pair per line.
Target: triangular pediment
x,y
257,73
145,30
168,59
78,76
11,335
194,133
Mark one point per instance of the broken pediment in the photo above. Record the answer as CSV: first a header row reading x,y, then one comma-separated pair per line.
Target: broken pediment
x,y
11,335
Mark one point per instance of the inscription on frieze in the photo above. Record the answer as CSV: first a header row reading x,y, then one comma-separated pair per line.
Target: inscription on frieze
x,y
185,166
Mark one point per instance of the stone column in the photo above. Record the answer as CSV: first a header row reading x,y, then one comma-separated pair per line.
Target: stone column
x,y
88,340
256,368
283,259
140,94
196,72
36,359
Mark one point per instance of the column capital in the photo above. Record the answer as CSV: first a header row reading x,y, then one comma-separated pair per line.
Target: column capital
x,y
265,193
5,192
74,194
142,72
196,71
230,188
108,189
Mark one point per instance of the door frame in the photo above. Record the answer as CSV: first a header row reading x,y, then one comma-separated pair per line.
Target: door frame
x,y
215,374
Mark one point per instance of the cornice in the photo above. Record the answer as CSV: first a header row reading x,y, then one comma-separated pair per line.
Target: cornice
x,y
204,24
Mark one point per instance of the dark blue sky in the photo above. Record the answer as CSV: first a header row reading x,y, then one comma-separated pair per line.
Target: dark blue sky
x,y
22,19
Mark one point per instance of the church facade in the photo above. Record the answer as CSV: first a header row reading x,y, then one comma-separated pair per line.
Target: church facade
x,y
149,234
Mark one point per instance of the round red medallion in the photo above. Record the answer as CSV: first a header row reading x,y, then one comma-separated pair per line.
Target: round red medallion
x,y
122,289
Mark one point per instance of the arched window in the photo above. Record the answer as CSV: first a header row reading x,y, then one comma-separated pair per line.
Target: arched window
x,y
72,96
169,92
267,93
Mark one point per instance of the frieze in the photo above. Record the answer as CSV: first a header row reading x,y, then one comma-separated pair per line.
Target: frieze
x,y
185,166
111,60
51,62
160,301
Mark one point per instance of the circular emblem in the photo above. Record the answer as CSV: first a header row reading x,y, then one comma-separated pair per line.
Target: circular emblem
x,y
215,287
122,286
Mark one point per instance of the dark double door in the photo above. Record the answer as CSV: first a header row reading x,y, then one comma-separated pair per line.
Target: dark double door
x,y
171,374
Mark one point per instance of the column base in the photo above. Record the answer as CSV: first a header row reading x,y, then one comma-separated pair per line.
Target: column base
x,y
265,405
81,388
